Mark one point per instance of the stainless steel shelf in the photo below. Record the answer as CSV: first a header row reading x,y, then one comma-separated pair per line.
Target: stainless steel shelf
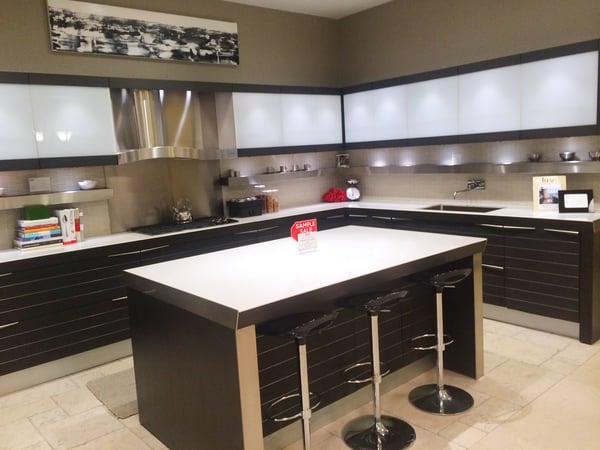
x,y
534,168
55,198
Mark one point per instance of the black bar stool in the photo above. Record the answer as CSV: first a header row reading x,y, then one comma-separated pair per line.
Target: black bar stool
x,y
376,431
299,326
440,398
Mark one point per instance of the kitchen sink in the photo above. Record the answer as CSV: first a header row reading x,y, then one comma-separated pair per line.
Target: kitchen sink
x,y
461,208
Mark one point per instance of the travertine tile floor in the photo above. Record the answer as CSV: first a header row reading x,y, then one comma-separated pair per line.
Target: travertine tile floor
x,y
540,391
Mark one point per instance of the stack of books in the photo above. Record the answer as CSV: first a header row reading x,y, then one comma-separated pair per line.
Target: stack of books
x,y
41,233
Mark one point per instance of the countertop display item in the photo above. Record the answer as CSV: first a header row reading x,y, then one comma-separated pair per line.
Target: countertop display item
x,y
545,191
534,157
335,195
567,156
352,190
594,156
245,207
182,211
87,184
1,191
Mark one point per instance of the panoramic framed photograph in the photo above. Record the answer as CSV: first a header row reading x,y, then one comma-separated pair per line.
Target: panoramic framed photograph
x,y
90,28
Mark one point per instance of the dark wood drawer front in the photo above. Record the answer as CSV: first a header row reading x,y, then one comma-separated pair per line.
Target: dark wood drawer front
x,y
38,304
32,342
542,272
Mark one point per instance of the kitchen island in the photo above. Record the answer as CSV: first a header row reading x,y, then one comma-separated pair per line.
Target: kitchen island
x,y
192,320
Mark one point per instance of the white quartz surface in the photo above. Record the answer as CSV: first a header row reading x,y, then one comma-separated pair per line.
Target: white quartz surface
x,y
252,276
506,209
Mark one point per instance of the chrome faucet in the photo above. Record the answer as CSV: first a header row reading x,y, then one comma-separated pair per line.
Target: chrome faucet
x,y
472,185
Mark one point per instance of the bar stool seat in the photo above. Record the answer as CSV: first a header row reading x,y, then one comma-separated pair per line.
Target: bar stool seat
x,y
377,431
441,398
299,326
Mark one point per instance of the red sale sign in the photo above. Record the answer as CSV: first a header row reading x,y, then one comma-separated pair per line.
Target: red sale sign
x,y
303,226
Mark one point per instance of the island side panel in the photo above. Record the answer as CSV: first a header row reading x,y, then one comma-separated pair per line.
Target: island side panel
x,y
463,321
186,376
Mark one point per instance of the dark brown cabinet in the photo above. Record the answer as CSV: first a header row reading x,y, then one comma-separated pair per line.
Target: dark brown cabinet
x,y
542,271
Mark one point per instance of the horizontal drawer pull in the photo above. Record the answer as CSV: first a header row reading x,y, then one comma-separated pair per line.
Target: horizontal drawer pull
x,y
556,230
381,218
359,216
246,232
492,267
6,325
118,299
5,274
267,228
160,247
116,255
489,225
341,216
515,227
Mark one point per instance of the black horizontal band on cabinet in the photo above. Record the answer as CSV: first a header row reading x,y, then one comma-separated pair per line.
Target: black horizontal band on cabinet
x,y
78,161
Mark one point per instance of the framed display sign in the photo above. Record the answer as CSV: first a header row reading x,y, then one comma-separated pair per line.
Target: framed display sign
x,y
576,200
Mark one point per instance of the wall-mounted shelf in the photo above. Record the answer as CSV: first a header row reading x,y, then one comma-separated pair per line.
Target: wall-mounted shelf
x,y
55,198
534,168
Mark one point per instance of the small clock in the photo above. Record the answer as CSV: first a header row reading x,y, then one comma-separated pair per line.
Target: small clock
x,y
352,190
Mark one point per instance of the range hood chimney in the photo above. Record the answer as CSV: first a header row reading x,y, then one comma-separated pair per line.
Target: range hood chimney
x,y
152,124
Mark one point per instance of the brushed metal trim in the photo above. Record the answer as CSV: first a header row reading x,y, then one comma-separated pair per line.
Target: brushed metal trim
x,y
515,227
142,154
118,299
6,325
116,255
489,225
493,267
160,247
556,230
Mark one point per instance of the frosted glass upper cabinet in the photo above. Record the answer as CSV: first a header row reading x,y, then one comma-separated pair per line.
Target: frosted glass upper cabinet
x,y
309,119
560,92
489,100
17,140
73,121
375,115
257,120
432,107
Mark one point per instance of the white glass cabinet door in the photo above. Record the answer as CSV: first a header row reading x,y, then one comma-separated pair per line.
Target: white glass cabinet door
x,y
375,115
73,121
309,119
257,120
560,92
17,140
432,107
489,100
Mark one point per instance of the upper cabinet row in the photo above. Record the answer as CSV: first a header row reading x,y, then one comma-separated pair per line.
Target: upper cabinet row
x,y
39,121
552,93
283,120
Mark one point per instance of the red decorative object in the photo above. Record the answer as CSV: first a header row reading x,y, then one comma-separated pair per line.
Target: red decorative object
x,y
335,195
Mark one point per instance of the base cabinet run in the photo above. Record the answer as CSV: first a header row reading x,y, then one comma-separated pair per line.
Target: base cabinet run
x,y
536,266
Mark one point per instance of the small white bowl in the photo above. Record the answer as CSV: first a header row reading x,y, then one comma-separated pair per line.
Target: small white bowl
x,y
86,184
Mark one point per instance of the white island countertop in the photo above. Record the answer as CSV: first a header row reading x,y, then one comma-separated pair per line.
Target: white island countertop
x,y
233,287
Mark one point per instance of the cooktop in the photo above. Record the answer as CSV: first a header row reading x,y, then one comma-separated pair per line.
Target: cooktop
x,y
164,228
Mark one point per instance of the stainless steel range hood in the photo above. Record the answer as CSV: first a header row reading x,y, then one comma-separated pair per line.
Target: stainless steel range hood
x,y
151,124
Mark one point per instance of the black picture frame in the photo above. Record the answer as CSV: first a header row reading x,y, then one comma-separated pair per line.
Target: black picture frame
x,y
576,201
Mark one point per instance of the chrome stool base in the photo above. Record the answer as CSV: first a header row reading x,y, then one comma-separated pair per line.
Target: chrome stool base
x,y
444,401
362,433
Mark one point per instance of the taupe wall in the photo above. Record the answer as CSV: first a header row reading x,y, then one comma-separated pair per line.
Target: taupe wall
x,y
413,36
397,38
275,47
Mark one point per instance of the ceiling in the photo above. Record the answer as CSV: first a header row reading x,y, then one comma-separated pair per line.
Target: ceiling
x,y
333,9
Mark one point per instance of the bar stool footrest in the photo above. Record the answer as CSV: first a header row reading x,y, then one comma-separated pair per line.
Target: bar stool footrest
x,y
352,372
447,341
289,402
